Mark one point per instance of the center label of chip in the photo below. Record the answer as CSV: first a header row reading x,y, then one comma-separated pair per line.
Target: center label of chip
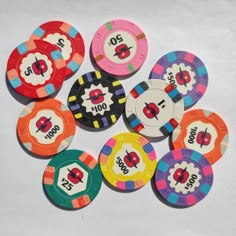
x,y
97,99
154,108
72,179
201,137
182,76
46,126
36,68
128,161
120,47
184,177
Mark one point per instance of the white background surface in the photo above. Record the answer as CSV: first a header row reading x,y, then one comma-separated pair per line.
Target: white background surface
x,y
205,28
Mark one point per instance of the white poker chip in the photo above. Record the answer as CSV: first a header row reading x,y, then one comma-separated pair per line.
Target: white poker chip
x,y
154,108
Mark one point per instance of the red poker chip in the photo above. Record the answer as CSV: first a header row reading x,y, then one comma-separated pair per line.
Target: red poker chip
x,y
67,38
36,69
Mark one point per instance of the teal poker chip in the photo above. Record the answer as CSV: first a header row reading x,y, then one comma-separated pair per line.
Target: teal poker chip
x,y
72,179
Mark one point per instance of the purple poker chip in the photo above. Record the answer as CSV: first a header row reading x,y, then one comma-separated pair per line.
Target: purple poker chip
x,y
183,177
186,71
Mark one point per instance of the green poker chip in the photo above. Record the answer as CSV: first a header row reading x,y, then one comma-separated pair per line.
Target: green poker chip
x,y
72,179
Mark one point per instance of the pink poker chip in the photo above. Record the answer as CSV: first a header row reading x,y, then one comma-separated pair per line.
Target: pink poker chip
x,y
119,47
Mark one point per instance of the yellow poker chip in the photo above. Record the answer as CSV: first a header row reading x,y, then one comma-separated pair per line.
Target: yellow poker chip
x,y
128,161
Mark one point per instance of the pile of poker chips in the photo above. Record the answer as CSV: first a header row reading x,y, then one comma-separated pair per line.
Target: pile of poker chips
x,y
153,108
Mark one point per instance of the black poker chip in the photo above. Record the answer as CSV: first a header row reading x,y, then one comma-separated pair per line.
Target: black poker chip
x,y
97,100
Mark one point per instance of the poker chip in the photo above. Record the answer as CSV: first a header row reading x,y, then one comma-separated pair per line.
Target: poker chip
x,y
72,179
203,131
36,69
97,100
67,38
186,72
154,108
46,127
127,161
183,177
119,47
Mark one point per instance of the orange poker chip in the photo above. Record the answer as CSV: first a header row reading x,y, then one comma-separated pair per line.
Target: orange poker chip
x,y
203,131
46,127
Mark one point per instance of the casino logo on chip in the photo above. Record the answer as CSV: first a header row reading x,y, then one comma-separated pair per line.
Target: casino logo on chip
x,y
154,108
186,72
97,100
119,47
